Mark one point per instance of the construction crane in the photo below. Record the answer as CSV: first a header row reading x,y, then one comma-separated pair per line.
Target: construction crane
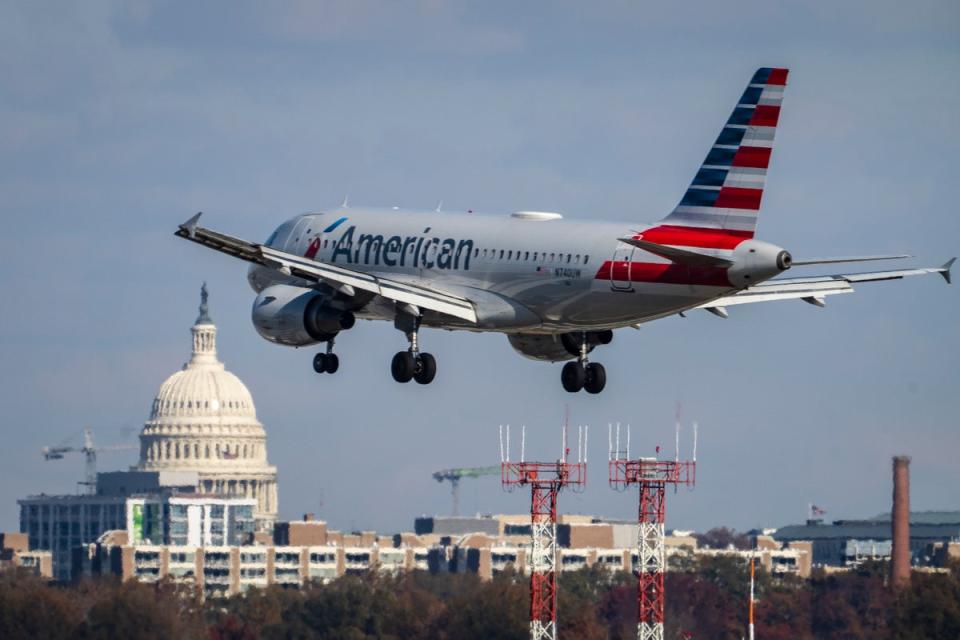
x,y
453,476
90,451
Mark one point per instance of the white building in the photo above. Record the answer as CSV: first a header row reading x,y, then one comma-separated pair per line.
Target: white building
x,y
203,420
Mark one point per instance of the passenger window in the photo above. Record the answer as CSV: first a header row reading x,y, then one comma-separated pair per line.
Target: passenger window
x,y
534,256
568,258
526,255
586,259
509,254
552,256
501,254
577,259
476,253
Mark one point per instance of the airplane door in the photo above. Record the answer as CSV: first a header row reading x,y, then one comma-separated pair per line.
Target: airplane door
x,y
620,267
296,235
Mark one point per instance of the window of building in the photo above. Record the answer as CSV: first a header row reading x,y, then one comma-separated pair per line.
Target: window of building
x,y
321,558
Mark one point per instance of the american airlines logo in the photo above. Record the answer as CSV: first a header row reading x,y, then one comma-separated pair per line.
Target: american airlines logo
x,y
421,251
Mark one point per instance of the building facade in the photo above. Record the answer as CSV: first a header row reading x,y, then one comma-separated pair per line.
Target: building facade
x,y
60,524
850,542
15,552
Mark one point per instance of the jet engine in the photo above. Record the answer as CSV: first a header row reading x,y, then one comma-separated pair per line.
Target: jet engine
x,y
556,348
296,316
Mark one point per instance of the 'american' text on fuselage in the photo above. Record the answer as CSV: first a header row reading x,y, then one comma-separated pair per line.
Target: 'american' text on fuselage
x,y
418,251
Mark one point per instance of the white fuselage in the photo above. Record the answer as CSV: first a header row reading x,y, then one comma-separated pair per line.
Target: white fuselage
x,y
529,275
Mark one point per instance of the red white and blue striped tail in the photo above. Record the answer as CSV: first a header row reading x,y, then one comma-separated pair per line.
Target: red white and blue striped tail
x,y
724,198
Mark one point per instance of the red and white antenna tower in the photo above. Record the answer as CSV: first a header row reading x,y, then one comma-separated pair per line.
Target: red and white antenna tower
x,y
545,479
652,476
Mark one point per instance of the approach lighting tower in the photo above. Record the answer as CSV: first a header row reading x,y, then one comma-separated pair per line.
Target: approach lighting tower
x,y
652,476
545,480
454,476
90,451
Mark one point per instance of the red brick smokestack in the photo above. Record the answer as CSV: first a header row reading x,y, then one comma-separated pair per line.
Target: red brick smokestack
x,y
900,555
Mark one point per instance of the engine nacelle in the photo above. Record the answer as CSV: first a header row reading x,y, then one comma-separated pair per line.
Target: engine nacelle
x,y
296,317
556,348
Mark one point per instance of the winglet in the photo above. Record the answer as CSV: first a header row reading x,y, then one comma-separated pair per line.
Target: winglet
x,y
190,226
945,270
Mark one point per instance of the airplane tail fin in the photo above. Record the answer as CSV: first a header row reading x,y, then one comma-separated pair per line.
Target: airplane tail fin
x,y
722,203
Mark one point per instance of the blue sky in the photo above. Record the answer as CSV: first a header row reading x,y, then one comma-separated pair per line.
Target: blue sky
x,y
119,120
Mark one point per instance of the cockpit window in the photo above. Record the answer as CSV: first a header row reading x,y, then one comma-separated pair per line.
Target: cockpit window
x,y
273,236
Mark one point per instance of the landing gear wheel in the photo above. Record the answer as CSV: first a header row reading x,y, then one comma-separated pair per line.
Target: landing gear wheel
x,y
403,366
320,362
333,363
426,369
596,378
573,377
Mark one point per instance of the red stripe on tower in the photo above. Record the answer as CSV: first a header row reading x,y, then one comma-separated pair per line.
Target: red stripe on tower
x,y
778,76
756,157
695,237
738,198
765,116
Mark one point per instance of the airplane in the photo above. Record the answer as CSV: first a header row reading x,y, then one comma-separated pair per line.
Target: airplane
x,y
556,288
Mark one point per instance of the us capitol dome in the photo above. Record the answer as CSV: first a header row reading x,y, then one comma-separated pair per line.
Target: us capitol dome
x,y
203,420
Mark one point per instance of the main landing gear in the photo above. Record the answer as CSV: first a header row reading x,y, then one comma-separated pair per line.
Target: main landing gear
x,y
326,362
412,364
582,374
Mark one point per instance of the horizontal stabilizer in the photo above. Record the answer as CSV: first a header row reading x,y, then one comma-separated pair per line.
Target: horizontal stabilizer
x,y
680,256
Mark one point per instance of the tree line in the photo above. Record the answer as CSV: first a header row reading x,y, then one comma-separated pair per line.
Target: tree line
x,y
707,600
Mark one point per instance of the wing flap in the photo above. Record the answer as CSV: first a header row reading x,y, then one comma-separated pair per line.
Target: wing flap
x,y
787,291
300,267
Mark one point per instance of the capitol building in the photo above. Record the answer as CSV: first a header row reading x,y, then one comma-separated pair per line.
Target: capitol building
x,y
203,420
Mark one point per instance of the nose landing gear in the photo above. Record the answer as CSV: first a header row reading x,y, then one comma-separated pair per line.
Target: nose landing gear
x,y
582,374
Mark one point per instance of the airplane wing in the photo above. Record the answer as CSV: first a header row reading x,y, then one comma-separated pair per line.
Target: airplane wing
x,y
815,289
342,279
